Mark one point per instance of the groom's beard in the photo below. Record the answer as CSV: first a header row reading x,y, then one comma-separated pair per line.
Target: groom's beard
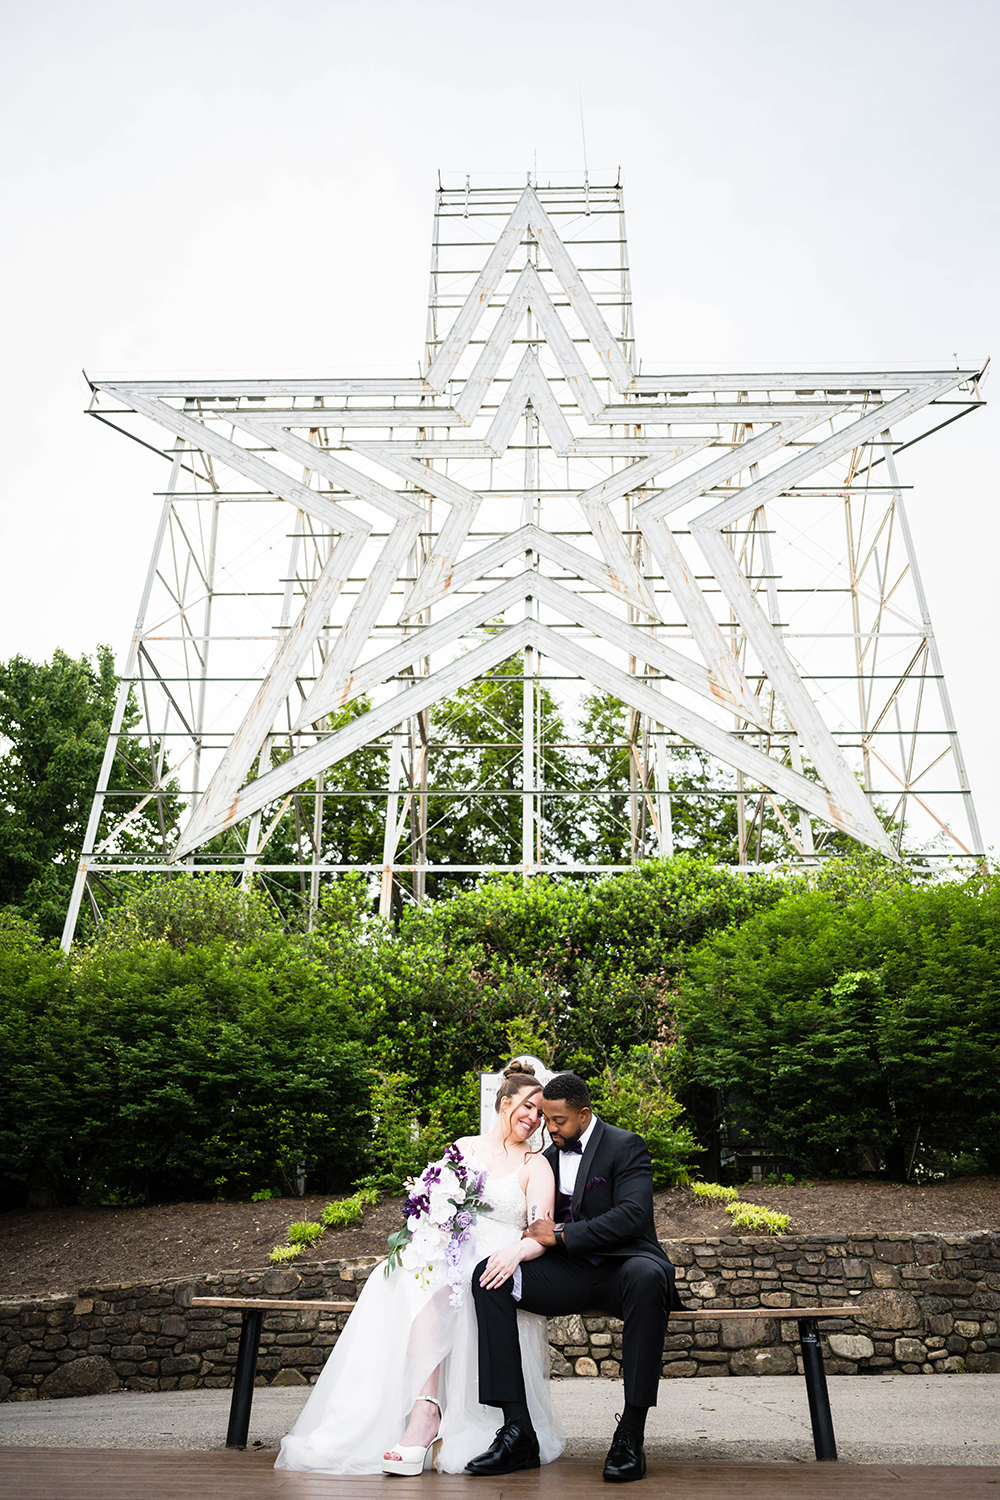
x,y
567,1142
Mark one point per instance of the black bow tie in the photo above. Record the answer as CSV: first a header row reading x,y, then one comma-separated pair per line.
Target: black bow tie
x,y
575,1150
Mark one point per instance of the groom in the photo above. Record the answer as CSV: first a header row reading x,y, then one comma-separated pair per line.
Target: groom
x,y
602,1252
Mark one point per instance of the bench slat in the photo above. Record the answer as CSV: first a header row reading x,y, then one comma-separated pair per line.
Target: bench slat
x,y
267,1304
687,1314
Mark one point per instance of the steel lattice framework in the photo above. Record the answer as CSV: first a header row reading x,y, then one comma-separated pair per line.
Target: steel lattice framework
x,y
726,554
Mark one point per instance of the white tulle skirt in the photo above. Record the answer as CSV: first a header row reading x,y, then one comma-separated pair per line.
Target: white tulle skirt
x,y
395,1337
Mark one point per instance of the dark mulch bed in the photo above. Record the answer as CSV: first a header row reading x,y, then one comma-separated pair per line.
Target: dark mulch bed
x,y
61,1250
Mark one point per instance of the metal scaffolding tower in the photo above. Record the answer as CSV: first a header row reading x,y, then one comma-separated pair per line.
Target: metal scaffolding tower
x,y
720,563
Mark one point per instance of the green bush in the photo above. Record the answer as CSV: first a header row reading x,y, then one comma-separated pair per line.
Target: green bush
x,y
634,1093
752,1216
195,1048
148,1071
304,1232
844,1027
400,1146
714,1191
186,911
590,969
282,1253
349,1210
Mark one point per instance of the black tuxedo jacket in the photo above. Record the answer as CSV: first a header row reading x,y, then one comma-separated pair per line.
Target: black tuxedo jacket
x,y
613,1197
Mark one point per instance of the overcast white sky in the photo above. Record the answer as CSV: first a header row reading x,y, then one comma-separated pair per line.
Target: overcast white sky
x,y
247,187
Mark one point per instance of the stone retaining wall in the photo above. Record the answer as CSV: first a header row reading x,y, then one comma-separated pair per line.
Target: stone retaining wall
x,y
925,1303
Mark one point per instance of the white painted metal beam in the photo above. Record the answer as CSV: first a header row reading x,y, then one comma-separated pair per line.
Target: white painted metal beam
x,y
528,384
246,743
370,726
732,751
248,464
529,294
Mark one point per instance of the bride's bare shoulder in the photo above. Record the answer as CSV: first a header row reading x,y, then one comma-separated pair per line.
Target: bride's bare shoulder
x,y
469,1144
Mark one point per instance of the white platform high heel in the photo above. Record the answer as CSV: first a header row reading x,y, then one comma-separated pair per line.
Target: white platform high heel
x,y
410,1461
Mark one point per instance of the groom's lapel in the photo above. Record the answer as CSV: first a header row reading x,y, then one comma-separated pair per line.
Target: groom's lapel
x,y
582,1177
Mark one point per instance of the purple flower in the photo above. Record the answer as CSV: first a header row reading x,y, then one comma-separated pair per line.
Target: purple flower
x,y
463,1220
417,1205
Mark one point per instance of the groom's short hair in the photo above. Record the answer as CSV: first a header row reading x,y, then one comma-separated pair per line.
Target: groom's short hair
x,y
568,1086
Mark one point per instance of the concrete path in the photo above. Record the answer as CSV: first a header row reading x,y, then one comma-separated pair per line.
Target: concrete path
x,y
892,1419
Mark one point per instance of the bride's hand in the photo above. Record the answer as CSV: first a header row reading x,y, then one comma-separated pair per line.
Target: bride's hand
x,y
501,1266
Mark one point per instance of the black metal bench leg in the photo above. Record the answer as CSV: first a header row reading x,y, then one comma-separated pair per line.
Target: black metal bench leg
x,y
246,1372
819,1398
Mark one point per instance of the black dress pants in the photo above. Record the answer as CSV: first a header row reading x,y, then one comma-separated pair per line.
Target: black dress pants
x,y
638,1290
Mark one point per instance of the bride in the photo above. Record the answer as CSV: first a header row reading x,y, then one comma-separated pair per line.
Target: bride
x,y
409,1350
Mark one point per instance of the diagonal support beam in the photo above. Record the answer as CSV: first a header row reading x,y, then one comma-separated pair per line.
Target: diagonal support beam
x,y
530,295
321,461
307,764
753,763
528,384
529,213
248,464
246,743
375,590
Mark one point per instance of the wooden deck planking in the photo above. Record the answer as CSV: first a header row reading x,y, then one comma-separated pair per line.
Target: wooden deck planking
x,y
178,1474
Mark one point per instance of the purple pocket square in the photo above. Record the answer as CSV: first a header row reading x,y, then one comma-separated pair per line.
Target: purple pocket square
x,y
594,1182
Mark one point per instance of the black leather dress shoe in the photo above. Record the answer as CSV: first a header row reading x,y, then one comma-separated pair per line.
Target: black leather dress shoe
x,y
626,1459
514,1447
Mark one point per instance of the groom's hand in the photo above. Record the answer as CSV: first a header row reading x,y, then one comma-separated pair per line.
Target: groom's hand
x,y
542,1230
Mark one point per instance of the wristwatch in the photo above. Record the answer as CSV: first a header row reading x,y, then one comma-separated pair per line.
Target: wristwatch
x,y
559,1233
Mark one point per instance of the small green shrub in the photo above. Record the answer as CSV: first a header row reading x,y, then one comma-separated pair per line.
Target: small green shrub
x,y
399,1142
714,1190
752,1216
284,1252
349,1210
303,1232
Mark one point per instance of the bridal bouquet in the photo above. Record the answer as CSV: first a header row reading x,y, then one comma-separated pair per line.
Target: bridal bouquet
x,y
443,1204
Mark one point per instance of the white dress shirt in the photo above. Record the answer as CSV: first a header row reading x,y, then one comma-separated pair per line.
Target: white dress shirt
x,y
569,1161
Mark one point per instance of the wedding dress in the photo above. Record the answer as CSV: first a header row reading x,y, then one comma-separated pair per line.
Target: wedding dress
x,y
400,1331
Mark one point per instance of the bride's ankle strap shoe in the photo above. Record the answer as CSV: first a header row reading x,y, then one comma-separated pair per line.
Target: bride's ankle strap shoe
x,y
412,1460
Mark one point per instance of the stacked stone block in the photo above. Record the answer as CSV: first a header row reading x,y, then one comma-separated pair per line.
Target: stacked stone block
x,y
926,1303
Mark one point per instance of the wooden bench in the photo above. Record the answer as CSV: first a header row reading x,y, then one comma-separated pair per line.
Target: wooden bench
x,y
254,1308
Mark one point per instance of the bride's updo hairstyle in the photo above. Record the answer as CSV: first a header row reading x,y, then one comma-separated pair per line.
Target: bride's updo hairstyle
x,y
517,1076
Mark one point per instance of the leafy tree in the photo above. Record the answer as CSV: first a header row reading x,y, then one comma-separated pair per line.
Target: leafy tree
x,y
603,828
55,717
703,802
477,749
